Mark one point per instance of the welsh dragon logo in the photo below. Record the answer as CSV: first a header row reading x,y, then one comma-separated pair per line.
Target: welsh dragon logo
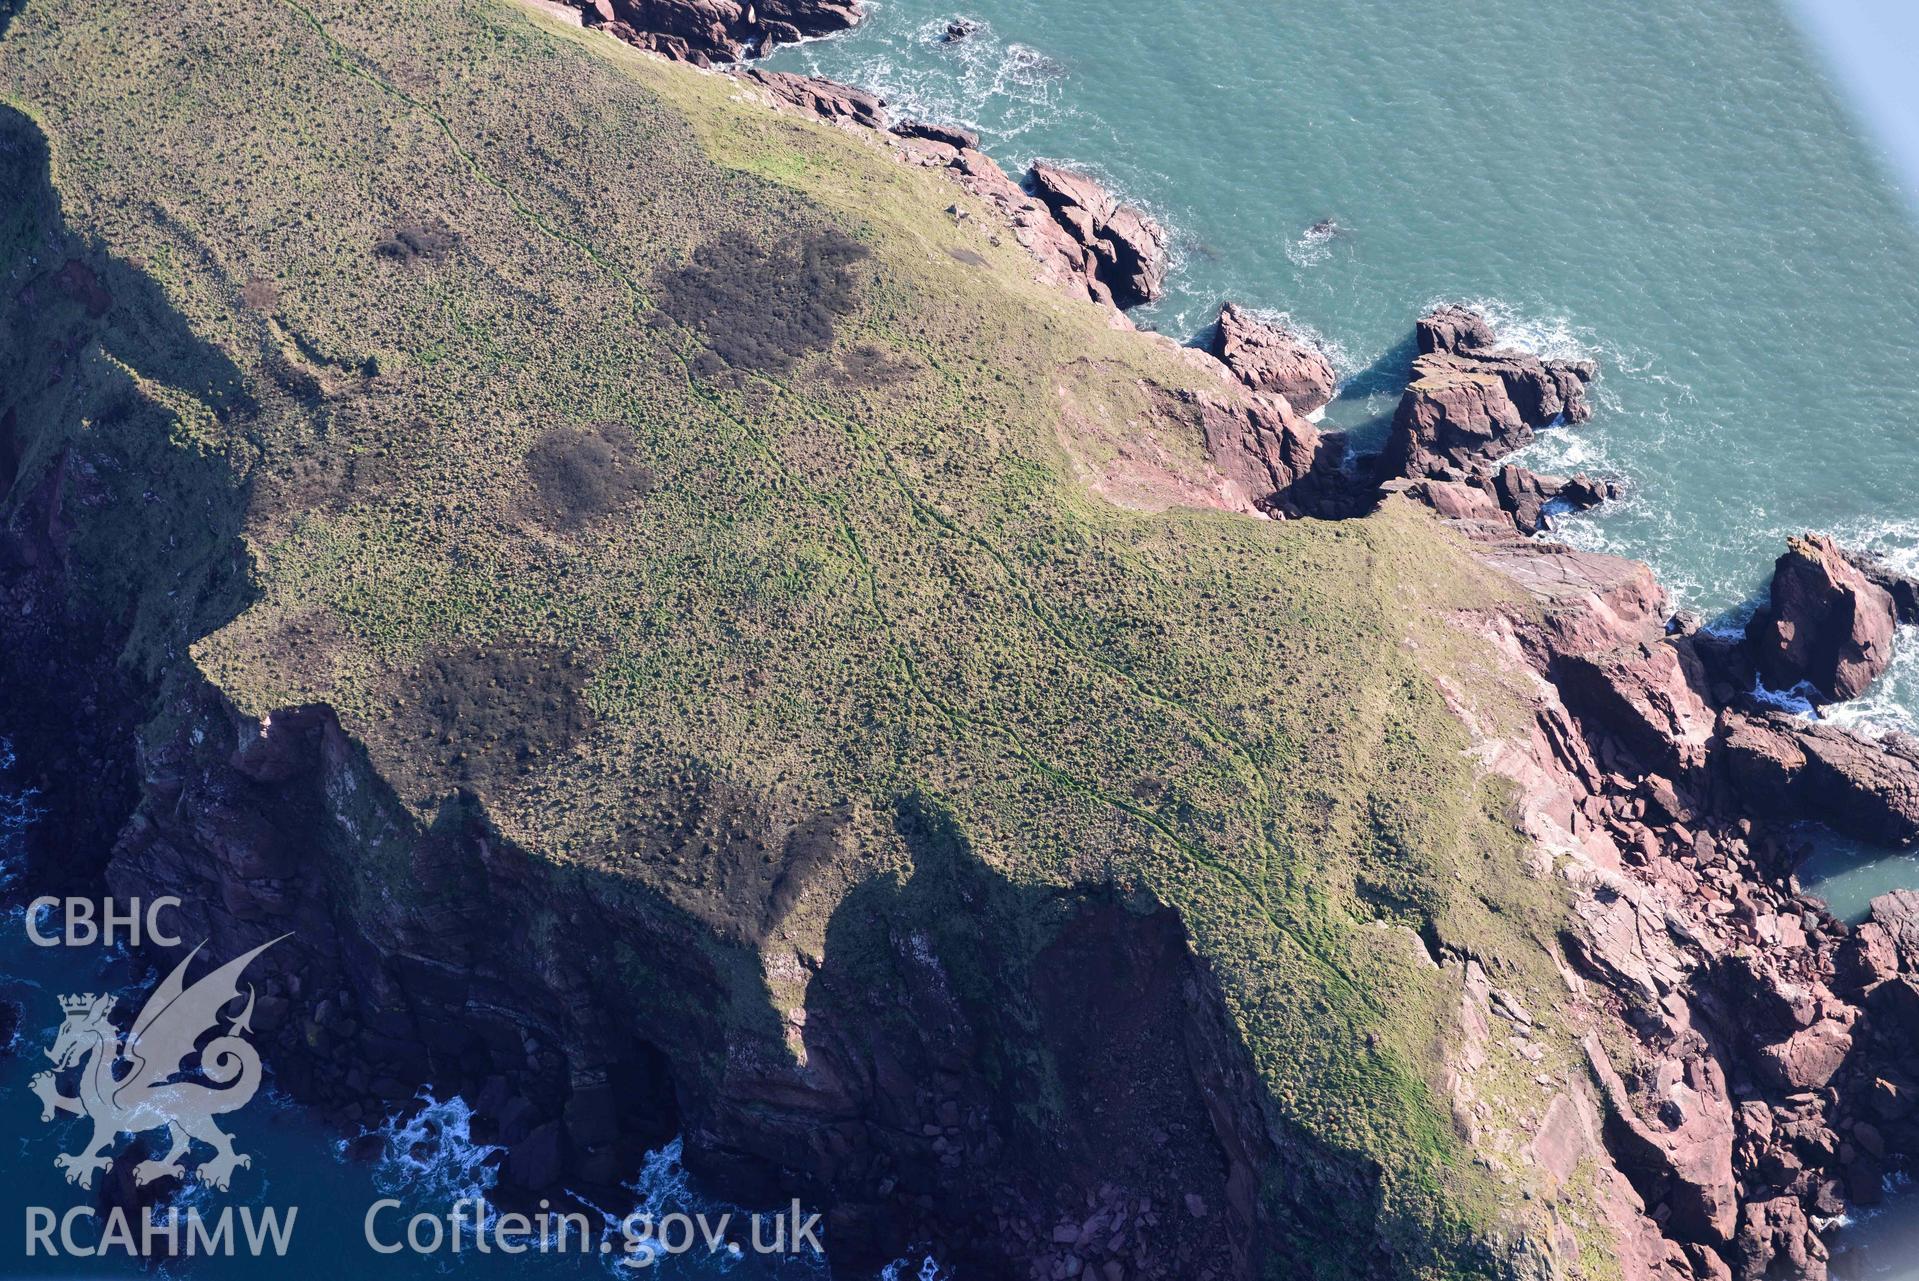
x,y
130,1088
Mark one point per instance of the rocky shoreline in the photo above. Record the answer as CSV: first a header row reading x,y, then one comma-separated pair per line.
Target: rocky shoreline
x,y
1746,1050
708,32
1757,1090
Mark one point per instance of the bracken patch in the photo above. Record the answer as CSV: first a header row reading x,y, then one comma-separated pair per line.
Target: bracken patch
x,y
427,241
581,473
761,307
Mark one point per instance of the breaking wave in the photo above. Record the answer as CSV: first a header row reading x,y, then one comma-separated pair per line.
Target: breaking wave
x,y
1002,88
1344,363
1314,246
17,813
1892,703
428,1153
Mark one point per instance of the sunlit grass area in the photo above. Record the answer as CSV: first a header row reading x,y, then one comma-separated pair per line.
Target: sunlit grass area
x,y
589,434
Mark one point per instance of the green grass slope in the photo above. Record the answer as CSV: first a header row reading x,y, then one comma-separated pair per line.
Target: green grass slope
x,y
578,427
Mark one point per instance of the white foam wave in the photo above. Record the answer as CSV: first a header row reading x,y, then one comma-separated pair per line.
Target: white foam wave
x,y
1799,700
663,1187
1890,703
928,1270
428,1153
1546,336
17,813
1003,89
1314,246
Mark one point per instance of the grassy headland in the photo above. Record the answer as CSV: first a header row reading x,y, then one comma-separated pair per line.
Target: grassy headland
x,y
586,432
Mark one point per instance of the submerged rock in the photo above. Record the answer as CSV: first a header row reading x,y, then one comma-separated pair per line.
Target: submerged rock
x,y
1270,357
1826,624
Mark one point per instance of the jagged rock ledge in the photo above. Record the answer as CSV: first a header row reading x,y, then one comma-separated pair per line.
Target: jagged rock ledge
x,y
1083,237
1749,1052
705,32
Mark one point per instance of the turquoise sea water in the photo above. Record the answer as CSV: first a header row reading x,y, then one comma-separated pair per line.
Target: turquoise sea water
x,y
1683,195
1678,191
1682,192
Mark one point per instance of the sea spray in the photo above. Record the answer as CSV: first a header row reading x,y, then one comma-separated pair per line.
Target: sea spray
x,y
427,1153
1002,89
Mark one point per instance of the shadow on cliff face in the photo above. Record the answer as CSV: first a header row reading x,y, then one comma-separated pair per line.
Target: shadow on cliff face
x,y
162,519
1029,1076
561,1002
1012,1075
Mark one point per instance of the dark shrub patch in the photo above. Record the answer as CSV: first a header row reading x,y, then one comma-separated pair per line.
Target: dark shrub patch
x,y
759,306
580,473
489,713
359,454
431,241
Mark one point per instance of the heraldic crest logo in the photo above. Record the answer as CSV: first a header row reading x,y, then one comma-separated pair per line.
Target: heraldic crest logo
x,y
160,1076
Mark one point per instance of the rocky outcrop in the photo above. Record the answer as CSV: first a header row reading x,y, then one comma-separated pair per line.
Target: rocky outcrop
x,y
1903,588
1787,767
1265,450
1468,405
1125,250
1528,495
1750,1051
1083,237
831,101
1471,402
1451,328
951,136
1491,503
1081,233
1825,624
1270,357
705,32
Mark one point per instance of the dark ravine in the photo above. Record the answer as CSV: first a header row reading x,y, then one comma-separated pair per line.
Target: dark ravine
x,y
1747,1051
